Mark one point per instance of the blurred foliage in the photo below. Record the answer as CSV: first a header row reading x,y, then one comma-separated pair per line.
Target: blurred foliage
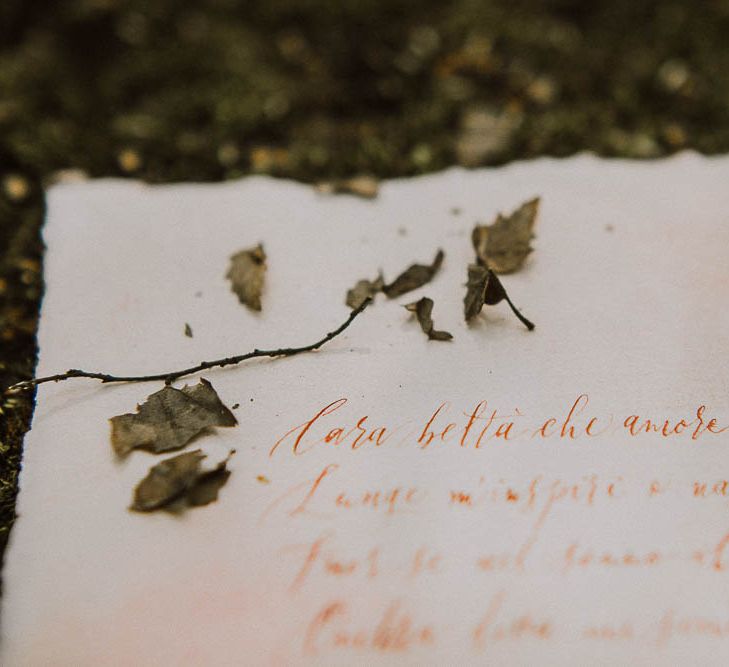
x,y
209,90
170,90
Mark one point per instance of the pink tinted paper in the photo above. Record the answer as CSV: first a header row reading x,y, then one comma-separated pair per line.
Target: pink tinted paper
x,y
555,497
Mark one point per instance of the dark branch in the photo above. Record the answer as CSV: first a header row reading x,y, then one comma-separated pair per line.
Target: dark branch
x,y
205,365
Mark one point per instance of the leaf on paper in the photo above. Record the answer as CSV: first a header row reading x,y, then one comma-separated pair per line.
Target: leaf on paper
x,y
484,288
413,277
363,290
246,274
478,279
423,310
169,419
188,330
504,245
167,481
366,187
181,481
208,484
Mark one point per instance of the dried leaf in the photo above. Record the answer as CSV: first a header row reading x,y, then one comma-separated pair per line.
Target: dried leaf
x,y
246,274
366,187
208,484
478,278
413,277
167,481
188,330
484,287
169,419
423,310
363,290
180,480
504,245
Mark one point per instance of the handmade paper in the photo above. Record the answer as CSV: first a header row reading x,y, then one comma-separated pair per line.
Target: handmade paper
x,y
510,497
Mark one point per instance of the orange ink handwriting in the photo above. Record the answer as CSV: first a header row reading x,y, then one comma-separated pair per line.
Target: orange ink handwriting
x,y
496,426
353,437
577,557
317,497
493,628
635,425
672,626
393,632
609,632
329,563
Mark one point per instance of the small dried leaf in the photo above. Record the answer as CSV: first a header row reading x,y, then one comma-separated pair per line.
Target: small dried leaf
x,y
208,485
180,479
484,287
363,290
169,419
167,481
478,278
423,310
246,274
504,245
366,187
188,330
413,277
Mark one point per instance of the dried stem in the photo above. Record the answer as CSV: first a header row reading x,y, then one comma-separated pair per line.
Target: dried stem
x,y
204,365
529,325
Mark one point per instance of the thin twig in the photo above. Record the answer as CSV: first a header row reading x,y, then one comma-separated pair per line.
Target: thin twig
x,y
174,375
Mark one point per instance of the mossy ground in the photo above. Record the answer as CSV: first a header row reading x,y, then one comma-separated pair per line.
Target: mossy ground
x,y
176,90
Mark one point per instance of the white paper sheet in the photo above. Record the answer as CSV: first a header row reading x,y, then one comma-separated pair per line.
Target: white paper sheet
x,y
390,547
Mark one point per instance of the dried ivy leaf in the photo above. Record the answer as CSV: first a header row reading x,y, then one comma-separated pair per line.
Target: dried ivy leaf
x,y
180,480
363,290
413,277
484,287
169,419
423,310
504,245
246,274
366,187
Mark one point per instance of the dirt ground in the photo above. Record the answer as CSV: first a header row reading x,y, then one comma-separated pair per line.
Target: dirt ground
x,y
176,90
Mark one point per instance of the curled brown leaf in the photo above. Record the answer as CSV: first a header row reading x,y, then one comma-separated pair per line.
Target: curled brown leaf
x,y
504,245
363,290
478,278
169,419
423,310
484,288
246,274
413,277
180,481
207,486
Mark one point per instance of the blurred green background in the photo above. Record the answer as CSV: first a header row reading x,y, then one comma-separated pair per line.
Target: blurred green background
x,y
175,90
